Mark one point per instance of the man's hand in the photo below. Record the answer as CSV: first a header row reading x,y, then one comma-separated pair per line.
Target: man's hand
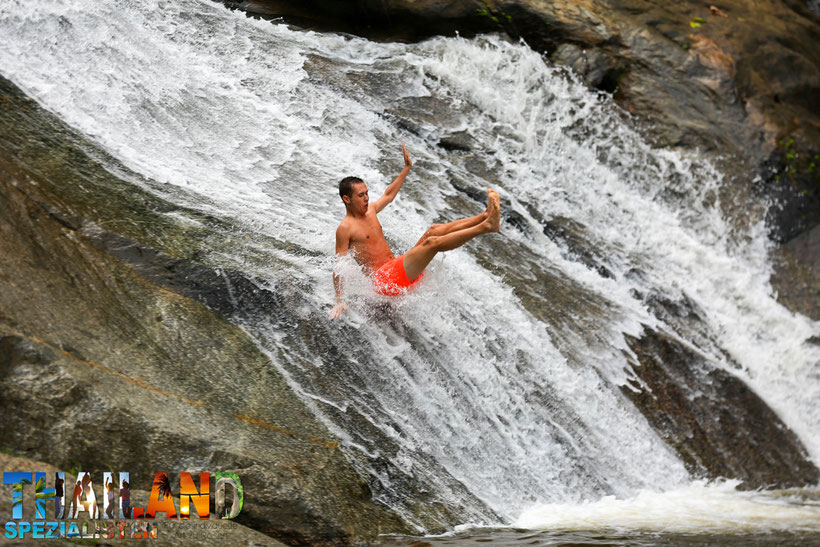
x,y
407,163
337,310
390,194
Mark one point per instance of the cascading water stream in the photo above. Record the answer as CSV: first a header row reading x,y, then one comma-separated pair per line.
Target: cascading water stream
x,y
482,375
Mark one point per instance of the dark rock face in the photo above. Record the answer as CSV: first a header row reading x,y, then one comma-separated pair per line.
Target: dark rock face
x,y
404,20
789,181
719,427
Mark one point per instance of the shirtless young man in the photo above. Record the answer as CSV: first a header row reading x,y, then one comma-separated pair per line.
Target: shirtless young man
x,y
361,232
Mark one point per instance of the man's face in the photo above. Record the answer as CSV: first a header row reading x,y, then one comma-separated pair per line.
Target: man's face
x,y
359,198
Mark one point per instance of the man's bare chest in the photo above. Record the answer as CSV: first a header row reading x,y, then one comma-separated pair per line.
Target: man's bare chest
x,y
366,233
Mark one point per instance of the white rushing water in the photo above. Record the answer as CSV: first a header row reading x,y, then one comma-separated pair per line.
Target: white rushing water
x,y
255,123
696,508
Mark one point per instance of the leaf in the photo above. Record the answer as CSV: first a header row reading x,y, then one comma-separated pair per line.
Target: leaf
x,y
694,24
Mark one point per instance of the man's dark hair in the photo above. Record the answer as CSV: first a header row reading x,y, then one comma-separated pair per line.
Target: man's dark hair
x,y
346,185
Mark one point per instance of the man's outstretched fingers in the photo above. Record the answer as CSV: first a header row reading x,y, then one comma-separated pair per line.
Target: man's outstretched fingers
x,y
337,310
407,162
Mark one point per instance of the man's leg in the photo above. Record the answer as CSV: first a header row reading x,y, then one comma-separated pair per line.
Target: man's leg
x,y
456,225
417,258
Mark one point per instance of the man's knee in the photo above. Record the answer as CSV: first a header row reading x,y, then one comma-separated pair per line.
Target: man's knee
x,y
434,230
431,242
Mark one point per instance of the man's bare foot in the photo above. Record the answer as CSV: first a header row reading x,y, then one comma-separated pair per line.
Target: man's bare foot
x,y
494,209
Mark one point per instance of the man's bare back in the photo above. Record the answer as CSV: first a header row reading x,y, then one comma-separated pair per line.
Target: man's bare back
x,y
361,232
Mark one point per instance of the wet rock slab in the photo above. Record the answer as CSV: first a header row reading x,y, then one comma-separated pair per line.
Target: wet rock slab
x,y
115,348
796,278
718,426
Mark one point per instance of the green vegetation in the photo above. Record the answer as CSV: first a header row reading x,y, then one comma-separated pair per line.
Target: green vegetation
x,y
795,162
493,15
8,451
696,22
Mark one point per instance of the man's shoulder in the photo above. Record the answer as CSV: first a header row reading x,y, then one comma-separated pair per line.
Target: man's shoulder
x,y
346,226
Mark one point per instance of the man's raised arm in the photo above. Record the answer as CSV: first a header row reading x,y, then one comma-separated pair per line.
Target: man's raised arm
x,y
342,244
395,186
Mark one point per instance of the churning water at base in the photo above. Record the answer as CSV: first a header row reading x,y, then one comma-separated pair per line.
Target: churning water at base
x,y
698,513
694,508
497,383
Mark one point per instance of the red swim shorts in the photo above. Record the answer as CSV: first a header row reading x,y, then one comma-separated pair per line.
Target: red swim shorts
x,y
391,279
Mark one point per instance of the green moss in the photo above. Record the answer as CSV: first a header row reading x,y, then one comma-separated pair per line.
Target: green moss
x,y
490,13
8,451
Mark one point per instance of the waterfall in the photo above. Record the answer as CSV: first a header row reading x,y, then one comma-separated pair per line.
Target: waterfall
x,y
497,384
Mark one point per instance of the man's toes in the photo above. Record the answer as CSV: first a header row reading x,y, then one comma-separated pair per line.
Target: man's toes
x,y
495,199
